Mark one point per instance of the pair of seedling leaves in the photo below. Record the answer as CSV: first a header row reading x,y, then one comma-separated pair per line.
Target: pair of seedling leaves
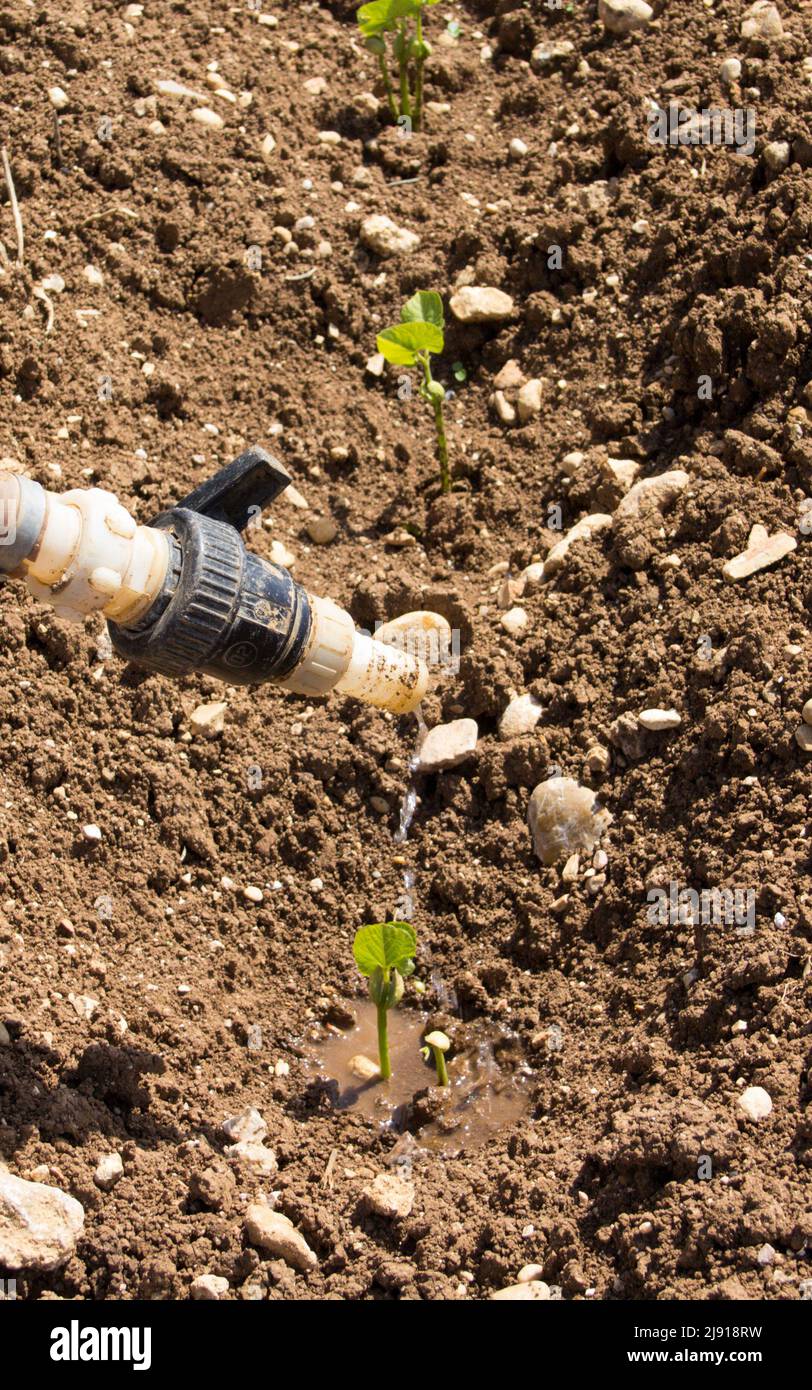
x,y
382,16
419,333
383,953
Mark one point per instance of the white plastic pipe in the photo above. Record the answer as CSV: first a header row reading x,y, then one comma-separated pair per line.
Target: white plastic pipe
x,y
83,551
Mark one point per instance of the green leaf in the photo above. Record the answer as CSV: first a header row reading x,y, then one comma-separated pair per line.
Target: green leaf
x,y
385,946
424,307
402,343
382,15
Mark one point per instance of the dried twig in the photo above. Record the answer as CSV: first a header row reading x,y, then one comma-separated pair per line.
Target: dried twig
x,y
15,207
40,294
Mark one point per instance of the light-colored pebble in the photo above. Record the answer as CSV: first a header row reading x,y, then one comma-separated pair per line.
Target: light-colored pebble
x,y
515,621
280,555
448,745
777,155
582,530
762,550
803,737
209,719
520,717
762,21
756,1103
534,1290
276,1233
255,1155
528,401
322,530
381,235
624,16
252,894
529,1273
204,116
481,304
93,276
247,1127
390,1196
39,1225
92,833
58,98
363,1068
661,492
730,71
806,712
563,817
109,1169
208,1288
657,719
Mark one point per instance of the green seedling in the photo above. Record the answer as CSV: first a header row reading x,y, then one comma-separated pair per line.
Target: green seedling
x,y
383,953
438,1044
411,343
404,20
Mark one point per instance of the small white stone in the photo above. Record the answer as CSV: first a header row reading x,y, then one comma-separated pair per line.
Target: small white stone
x,y
503,408
380,234
624,16
762,550
209,719
93,276
762,21
481,304
246,1128
563,819
208,1288
280,555
806,712
206,117
756,1103
58,98
92,833
517,149
571,462
730,71
448,745
657,719
532,1291
660,492
108,1171
528,1273
315,86
777,155
363,1068
276,1233
389,1196
39,1225
252,894
515,621
322,530
584,529
521,716
766,1255
528,401
267,145
803,737
375,364
329,137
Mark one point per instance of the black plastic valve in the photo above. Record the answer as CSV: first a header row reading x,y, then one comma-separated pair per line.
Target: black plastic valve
x,y
222,610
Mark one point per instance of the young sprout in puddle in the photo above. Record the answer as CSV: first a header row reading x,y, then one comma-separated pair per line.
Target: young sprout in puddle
x,y
383,953
439,1044
411,343
410,49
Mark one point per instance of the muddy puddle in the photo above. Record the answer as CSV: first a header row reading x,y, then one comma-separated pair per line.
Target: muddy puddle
x,y
482,1096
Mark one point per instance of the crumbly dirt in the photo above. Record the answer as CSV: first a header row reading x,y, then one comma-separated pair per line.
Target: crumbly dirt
x,y
634,1174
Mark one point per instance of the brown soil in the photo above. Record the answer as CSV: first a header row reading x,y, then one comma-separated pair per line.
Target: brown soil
x,y
629,1027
